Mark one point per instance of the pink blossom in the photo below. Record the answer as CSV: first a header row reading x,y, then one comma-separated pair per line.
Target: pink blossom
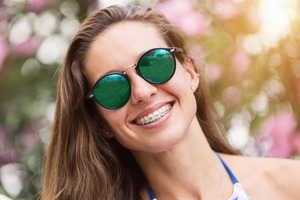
x,y
4,15
184,15
38,5
28,47
240,61
214,71
232,96
30,139
9,155
277,135
297,142
3,51
174,9
225,9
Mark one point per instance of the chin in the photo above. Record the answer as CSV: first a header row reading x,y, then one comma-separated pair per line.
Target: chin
x,y
164,145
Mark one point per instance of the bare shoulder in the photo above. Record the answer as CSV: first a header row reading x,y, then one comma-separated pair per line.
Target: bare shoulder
x,y
267,178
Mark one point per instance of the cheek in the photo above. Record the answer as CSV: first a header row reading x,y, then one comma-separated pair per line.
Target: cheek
x,y
181,86
180,82
113,117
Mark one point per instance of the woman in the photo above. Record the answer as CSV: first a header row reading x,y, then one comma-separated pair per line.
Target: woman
x,y
134,120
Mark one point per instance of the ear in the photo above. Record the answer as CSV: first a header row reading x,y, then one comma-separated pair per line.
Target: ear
x,y
193,75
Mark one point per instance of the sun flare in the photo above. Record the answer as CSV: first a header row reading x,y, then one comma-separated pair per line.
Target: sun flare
x,y
277,17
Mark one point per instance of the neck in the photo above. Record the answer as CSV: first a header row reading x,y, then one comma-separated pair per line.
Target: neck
x,y
179,174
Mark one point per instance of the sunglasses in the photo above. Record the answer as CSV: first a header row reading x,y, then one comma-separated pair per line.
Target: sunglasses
x,y
156,66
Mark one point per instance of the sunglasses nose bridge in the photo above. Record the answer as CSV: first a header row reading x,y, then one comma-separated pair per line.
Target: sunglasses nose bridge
x,y
133,65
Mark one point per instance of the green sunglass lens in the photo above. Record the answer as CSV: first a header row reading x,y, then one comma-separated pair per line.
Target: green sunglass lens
x,y
112,91
157,66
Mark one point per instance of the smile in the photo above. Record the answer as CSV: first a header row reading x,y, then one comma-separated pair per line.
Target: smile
x,y
155,116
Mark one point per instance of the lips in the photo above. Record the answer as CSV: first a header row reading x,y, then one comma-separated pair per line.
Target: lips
x,y
153,116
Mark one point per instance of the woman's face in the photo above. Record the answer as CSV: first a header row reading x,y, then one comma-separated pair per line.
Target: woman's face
x,y
120,46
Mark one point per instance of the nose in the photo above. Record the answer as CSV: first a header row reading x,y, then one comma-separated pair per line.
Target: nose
x,y
141,90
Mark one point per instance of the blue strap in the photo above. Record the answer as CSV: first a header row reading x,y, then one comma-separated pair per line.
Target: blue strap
x,y
233,178
150,193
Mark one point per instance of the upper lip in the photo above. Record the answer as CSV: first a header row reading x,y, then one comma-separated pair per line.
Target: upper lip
x,y
150,110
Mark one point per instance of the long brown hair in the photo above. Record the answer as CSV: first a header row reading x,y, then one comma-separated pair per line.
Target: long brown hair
x,y
80,162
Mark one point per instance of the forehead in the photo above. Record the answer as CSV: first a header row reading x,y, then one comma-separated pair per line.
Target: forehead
x,y
118,34
120,45
127,36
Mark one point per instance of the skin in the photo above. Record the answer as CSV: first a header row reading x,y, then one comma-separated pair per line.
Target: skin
x,y
163,149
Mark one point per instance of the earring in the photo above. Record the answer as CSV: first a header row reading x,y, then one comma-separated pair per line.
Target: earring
x,y
193,88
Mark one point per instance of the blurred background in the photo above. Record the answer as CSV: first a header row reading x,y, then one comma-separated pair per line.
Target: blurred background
x,y
252,54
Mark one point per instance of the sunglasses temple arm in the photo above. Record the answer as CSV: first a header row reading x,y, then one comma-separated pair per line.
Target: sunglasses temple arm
x,y
175,49
178,49
90,95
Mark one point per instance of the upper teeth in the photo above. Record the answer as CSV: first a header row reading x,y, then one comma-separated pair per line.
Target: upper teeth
x,y
156,115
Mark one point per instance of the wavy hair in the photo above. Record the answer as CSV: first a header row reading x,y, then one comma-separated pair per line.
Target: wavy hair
x,y
80,162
